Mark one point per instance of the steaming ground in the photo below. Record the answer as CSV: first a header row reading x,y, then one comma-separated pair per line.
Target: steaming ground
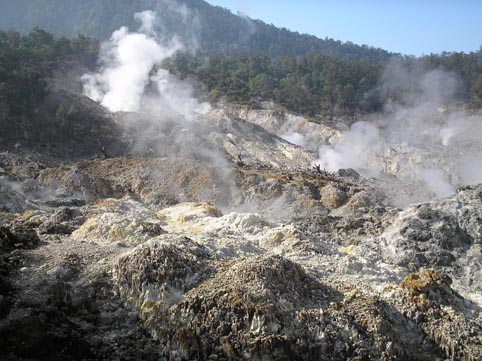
x,y
418,149
129,257
207,233
422,147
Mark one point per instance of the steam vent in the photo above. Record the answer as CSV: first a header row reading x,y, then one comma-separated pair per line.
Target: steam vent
x,y
199,185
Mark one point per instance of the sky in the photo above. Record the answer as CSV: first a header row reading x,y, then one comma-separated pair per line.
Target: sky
x,y
411,27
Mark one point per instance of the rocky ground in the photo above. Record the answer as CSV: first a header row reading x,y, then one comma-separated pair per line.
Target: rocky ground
x,y
234,250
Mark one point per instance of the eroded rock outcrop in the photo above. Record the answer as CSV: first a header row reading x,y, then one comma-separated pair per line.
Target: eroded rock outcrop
x,y
175,258
443,234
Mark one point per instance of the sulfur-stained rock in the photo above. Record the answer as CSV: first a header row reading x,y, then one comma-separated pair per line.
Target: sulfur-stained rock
x,y
265,307
332,196
425,281
189,211
251,255
427,298
440,235
123,220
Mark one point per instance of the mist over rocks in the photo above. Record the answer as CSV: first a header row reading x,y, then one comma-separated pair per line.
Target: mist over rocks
x,y
244,283
423,138
419,138
211,234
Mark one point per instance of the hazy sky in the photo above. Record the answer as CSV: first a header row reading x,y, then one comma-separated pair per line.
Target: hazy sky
x,y
406,26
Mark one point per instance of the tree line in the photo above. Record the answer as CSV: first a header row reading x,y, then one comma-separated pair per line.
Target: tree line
x,y
27,63
315,84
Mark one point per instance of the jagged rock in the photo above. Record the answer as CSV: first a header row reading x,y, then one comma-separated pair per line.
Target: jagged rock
x,y
264,307
65,220
242,302
249,143
443,235
279,121
444,315
189,180
282,192
18,234
425,281
238,256
362,199
72,181
348,173
65,214
155,275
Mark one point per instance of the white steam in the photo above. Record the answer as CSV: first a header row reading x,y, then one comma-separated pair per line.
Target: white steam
x,y
430,147
147,19
296,139
159,113
129,79
354,151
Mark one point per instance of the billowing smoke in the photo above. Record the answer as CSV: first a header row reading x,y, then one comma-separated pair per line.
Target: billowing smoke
x,y
130,79
423,144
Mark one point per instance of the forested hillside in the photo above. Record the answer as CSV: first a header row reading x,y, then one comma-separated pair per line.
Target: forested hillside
x,y
242,60
318,84
315,84
32,110
467,66
208,28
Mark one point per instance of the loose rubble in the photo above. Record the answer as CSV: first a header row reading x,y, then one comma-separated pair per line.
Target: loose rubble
x,y
256,257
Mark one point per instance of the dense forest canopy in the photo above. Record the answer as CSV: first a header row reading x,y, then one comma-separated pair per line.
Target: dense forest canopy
x,y
318,84
27,63
210,29
314,84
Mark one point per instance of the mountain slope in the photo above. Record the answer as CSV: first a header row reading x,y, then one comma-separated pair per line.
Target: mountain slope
x,y
211,28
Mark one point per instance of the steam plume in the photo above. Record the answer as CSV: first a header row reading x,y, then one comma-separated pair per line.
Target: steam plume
x,y
423,137
129,79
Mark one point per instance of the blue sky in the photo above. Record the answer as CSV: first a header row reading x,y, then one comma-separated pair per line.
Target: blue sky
x,y
405,26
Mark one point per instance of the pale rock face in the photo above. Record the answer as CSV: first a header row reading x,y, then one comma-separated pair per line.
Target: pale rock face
x,y
250,143
195,273
297,129
332,196
231,235
121,221
278,238
279,289
189,211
